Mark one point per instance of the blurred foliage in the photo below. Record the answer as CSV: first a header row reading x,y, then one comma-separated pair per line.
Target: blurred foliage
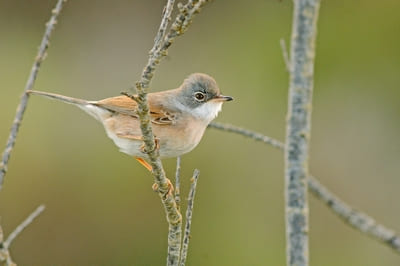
x,y
100,206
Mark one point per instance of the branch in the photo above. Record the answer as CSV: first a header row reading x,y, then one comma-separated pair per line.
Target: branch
x,y
358,220
29,85
178,183
298,129
23,225
189,212
159,50
5,257
247,133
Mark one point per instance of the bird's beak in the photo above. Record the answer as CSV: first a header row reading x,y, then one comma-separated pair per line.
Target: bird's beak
x,y
222,98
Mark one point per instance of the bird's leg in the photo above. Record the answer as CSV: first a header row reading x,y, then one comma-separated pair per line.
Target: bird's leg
x,y
144,163
156,145
169,184
155,185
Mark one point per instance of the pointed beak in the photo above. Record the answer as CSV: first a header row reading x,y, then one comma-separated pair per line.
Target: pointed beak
x,y
222,98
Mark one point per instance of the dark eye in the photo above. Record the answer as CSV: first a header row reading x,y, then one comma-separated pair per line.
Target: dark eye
x,y
200,96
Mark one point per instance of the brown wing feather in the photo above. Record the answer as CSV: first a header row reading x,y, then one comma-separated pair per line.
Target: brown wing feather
x,y
127,106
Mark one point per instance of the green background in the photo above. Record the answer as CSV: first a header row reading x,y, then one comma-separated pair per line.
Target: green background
x,y
100,206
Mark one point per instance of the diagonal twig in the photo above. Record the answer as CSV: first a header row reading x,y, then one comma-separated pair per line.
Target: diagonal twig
x,y
5,257
189,213
357,219
23,225
29,84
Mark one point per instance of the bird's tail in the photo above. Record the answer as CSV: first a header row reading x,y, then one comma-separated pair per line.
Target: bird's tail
x,y
87,106
59,97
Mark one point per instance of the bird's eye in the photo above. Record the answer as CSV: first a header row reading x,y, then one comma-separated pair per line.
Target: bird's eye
x,y
200,96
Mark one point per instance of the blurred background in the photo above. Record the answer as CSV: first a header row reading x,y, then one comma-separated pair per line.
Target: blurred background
x,y
100,206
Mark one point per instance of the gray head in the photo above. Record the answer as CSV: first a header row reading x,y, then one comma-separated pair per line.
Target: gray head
x,y
200,95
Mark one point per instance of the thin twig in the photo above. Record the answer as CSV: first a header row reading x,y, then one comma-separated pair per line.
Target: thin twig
x,y
251,134
5,257
285,54
358,220
23,225
29,84
159,50
178,183
166,18
298,129
189,213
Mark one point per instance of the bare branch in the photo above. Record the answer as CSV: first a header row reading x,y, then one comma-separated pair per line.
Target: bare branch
x,y
166,18
29,85
251,134
159,50
358,220
285,54
5,257
189,213
298,129
23,225
178,183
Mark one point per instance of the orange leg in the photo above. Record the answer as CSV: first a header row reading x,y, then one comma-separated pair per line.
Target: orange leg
x,y
155,185
144,163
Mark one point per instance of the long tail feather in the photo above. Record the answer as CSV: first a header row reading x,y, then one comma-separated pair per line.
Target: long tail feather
x,y
87,106
59,97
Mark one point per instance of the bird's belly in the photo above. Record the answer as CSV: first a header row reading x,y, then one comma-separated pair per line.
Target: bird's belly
x,y
172,141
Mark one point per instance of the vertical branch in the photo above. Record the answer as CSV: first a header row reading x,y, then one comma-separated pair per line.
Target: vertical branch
x,y
178,183
189,212
298,129
161,44
29,84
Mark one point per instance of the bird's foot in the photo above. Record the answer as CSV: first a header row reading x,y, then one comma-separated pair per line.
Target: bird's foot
x,y
170,190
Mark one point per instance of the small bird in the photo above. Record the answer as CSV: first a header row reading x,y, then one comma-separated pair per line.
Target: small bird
x,y
179,116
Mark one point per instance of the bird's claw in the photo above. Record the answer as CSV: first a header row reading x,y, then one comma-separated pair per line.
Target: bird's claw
x,y
170,190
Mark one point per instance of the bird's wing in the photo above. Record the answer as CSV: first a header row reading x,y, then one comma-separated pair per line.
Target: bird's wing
x,y
127,106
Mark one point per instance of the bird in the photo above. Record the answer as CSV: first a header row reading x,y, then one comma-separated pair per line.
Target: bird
x,y
179,117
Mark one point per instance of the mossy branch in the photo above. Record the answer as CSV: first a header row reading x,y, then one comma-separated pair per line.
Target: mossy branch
x,y
162,42
298,130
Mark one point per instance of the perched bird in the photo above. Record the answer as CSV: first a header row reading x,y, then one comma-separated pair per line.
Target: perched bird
x,y
179,117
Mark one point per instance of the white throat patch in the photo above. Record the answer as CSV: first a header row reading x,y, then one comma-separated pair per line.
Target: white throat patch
x,y
207,111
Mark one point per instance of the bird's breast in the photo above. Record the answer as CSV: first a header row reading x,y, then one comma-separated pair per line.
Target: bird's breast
x,y
181,137
174,139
